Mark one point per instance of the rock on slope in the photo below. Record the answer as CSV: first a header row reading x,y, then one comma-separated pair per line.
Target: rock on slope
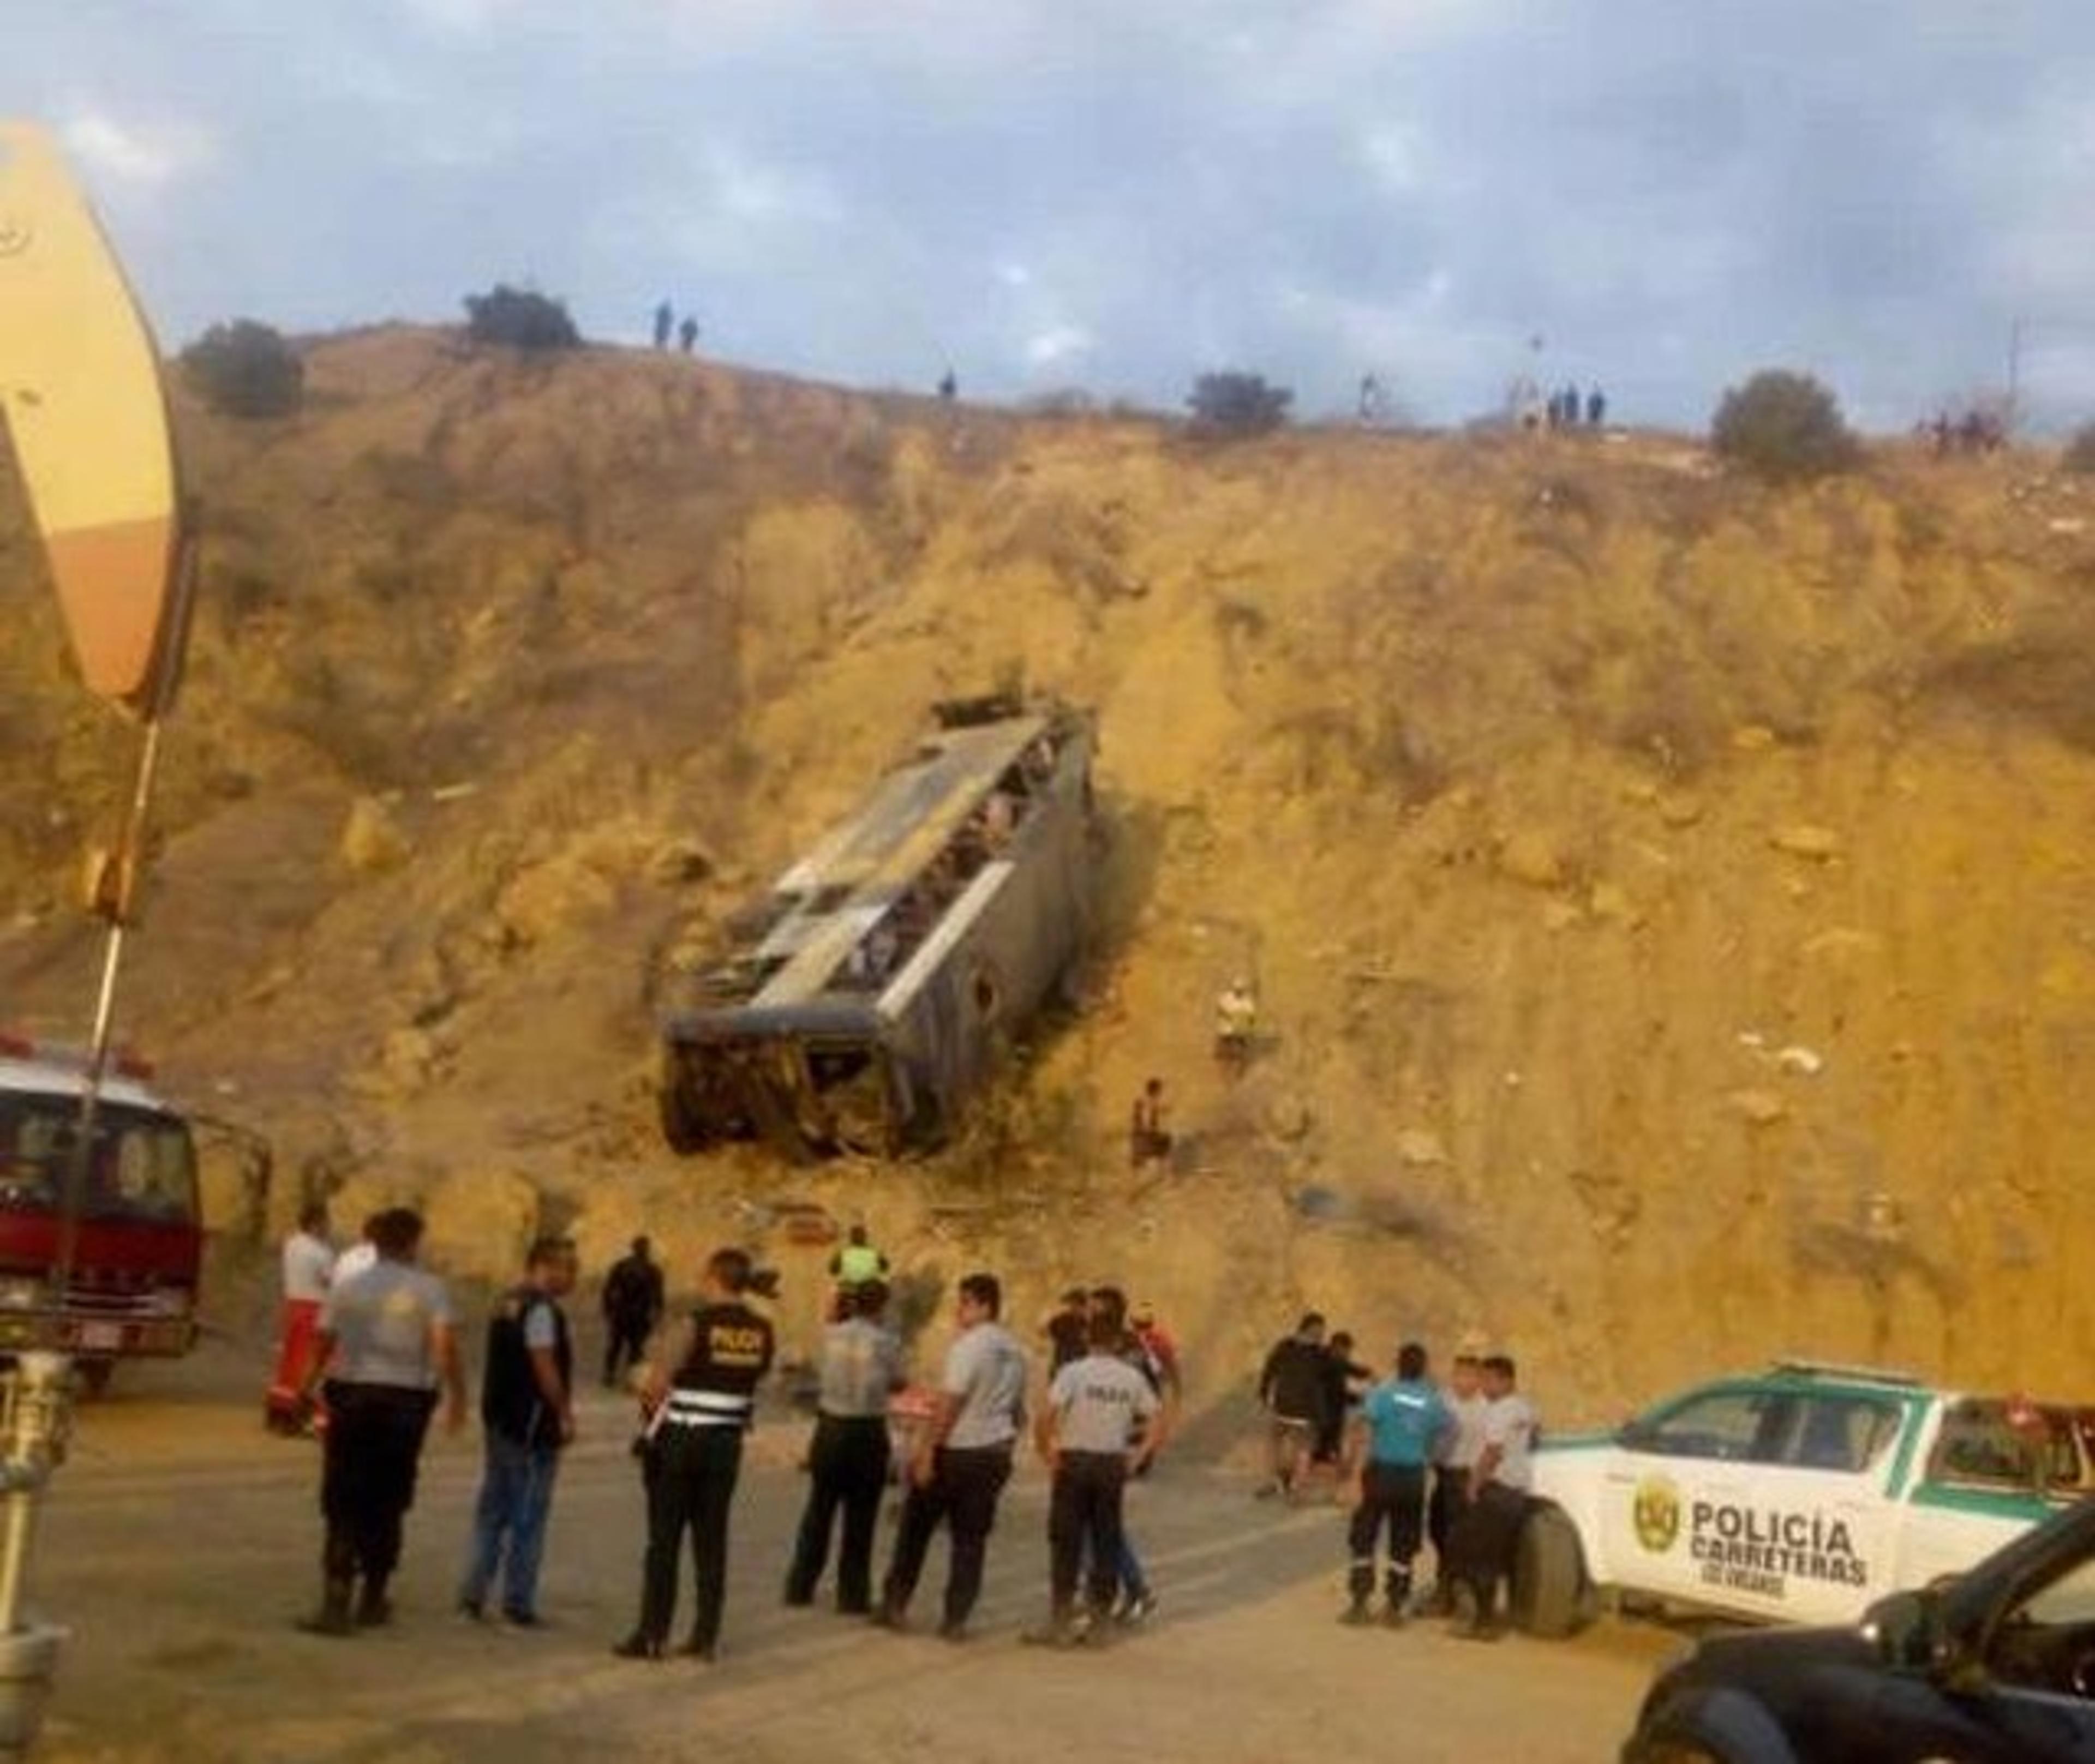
x,y
1670,899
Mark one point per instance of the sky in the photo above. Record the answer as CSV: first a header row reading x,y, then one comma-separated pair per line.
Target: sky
x,y
1658,196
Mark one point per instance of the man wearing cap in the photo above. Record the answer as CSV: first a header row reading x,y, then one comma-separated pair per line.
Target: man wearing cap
x,y
1454,1453
1400,1421
1485,1542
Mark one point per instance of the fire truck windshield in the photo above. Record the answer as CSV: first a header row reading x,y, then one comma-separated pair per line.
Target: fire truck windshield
x,y
143,1168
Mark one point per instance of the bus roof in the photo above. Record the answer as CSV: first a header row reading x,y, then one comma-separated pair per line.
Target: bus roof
x,y
863,864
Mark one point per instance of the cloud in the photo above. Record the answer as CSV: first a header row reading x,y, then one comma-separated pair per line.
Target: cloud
x,y
149,155
1058,346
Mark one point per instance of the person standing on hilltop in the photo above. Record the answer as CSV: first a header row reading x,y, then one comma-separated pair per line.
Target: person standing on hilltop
x,y
699,1388
1401,1423
308,1262
527,1408
1292,1388
962,1462
1236,1024
664,316
386,1342
1148,1138
632,1304
687,334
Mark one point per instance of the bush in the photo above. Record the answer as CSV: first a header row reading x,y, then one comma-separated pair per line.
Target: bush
x,y
1238,404
245,369
1785,428
2079,455
519,318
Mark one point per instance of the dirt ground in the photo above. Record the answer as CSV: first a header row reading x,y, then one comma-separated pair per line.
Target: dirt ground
x,y
181,1541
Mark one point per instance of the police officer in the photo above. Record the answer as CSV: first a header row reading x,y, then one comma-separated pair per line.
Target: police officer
x,y
963,1461
1401,1420
1102,1420
699,1388
1485,1542
861,1367
385,1341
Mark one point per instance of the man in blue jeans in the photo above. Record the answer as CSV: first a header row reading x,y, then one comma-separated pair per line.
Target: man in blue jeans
x,y
527,1404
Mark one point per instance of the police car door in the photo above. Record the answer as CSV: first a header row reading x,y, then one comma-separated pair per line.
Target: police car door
x,y
1825,1516
1674,1470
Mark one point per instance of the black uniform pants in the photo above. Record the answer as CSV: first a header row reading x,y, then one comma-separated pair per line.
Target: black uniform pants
x,y
1392,1495
1484,1541
846,1468
625,1340
374,1445
691,1473
962,1494
1084,1509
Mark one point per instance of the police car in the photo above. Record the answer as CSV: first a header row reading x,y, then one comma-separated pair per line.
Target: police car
x,y
1803,1494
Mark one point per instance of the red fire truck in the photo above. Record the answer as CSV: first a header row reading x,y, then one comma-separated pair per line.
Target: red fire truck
x,y
136,1257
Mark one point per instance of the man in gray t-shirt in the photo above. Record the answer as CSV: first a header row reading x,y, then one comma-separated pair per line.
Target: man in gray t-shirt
x,y
386,1344
1098,1408
964,1461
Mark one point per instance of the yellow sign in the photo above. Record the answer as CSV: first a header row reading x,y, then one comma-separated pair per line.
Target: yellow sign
x,y
80,397
1656,1513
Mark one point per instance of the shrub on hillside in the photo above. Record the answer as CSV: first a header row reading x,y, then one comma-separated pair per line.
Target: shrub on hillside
x,y
1238,404
2079,455
520,318
245,369
1785,427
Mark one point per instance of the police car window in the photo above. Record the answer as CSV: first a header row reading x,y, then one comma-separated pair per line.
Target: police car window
x,y
1980,1446
1741,1426
1841,1433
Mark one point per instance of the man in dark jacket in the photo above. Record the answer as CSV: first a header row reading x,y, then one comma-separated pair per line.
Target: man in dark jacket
x,y
632,1307
1292,1390
527,1406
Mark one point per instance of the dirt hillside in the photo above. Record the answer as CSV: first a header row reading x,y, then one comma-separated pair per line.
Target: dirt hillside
x,y
1671,900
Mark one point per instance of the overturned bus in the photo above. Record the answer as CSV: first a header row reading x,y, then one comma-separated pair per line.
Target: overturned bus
x,y
884,975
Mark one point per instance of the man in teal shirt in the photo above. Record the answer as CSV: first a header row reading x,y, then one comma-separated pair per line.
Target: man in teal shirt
x,y
1399,1422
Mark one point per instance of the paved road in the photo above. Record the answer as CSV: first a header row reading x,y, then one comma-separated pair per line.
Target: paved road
x,y
182,1540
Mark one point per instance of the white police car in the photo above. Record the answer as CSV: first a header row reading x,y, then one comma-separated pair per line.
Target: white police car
x,y
1802,1494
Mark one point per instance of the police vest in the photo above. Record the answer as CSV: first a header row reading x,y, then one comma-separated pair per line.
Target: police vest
x,y
716,1387
510,1403
856,1264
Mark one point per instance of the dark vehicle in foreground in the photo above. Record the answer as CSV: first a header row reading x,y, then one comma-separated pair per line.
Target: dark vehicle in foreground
x,y
1994,1665
880,981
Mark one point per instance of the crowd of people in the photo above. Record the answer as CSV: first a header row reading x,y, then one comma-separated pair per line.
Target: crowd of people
x,y
370,1355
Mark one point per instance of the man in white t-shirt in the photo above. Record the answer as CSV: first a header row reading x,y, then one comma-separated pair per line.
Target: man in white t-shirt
x,y
360,1258
1097,1409
308,1261
1489,1535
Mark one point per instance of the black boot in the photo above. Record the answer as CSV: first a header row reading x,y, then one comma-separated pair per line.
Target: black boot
x,y
332,1618
373,1608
